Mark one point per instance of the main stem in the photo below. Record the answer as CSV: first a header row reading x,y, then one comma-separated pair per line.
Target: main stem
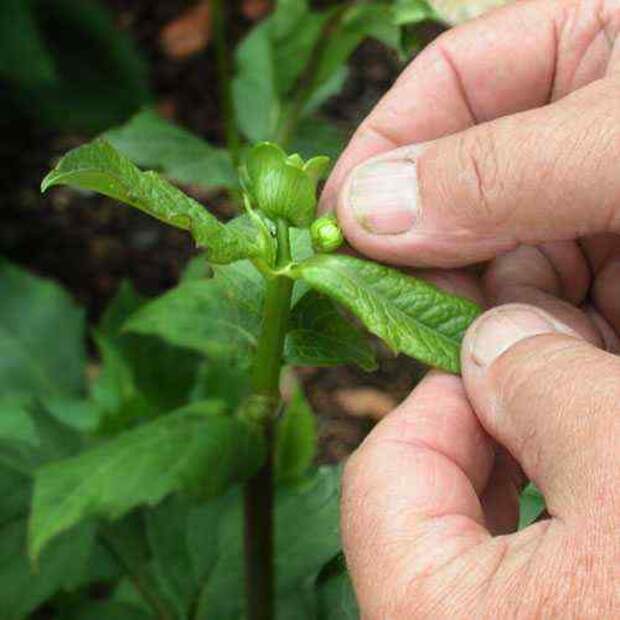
x,y
259,490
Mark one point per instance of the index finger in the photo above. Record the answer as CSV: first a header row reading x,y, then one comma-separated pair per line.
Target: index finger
x,y
502,63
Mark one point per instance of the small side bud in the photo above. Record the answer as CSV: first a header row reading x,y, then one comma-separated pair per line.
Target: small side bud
x,y
326,234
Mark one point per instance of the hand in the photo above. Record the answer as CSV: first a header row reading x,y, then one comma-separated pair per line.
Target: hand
x,y
425,493
493,170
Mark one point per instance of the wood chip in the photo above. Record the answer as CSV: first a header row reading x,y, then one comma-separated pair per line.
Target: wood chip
x,y
367,402
189,33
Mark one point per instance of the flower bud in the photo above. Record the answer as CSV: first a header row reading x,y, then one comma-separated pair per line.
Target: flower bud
x,y
326,234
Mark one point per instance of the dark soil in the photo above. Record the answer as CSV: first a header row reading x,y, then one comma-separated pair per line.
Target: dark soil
x,y
90,244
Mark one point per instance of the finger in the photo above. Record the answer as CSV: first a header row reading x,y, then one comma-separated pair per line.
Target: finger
x,y
538,176
552,400
545,277
507,61
603,252
410,491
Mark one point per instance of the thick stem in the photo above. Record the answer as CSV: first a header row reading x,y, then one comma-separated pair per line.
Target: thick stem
x,y
222,57
259,491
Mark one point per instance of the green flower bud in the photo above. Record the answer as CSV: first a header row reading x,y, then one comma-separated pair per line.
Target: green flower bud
x,y
283,186
326,234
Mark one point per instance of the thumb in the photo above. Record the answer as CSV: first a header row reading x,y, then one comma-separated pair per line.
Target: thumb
x,y
543,175
553,401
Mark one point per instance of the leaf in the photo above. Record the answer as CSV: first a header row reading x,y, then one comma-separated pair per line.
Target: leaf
x,y
162,374
287,15
97,166
166,528
194,448
410,315
23,587
153,142
321,336
41,337
306,537
295,439
216,317
15,491
531,505
114,391
254,91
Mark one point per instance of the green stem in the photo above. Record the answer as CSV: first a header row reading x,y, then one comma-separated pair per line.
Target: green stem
x,y
222,57
259,490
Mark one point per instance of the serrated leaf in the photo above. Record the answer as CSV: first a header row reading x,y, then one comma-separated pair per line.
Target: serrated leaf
x,y
410,315
295,439
41,337
153,142
194,448
531,505
220,316
320,336
98,167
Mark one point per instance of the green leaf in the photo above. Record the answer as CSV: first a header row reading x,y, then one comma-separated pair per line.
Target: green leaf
x,y
321,336
306,537
15,491
194,448
531,505
220,316
410,315
254,91
153,142
166,529
97,166
287,15
295,439
23,587
115,392
162,374
41,337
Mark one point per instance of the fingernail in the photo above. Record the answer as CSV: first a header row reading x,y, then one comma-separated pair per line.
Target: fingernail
x,y
384,196
504,327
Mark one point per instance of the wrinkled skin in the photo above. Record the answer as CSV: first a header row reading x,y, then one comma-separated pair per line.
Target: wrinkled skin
x,y
498,147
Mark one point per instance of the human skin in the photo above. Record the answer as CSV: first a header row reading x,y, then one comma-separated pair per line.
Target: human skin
x,y
498,145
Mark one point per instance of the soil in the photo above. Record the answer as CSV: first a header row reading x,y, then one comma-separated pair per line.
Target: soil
x,y
90,245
